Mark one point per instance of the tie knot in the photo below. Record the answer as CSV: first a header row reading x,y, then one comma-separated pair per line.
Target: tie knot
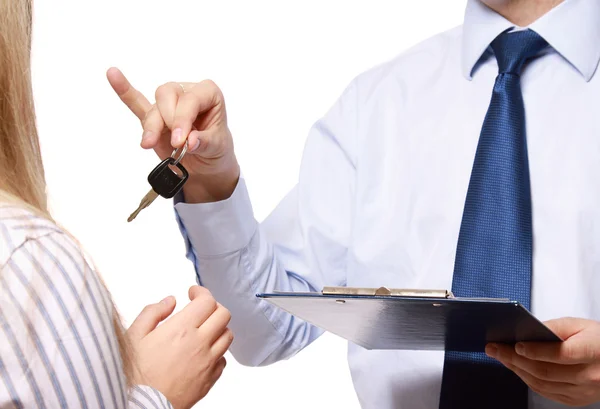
x,y
513,49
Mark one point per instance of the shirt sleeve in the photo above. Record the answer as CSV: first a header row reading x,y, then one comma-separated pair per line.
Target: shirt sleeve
x,y
61,349
145,397
301,246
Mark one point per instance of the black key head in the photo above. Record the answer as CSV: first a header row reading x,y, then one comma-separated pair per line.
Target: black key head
x,y
165,181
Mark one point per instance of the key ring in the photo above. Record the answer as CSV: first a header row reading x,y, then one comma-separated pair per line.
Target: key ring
x,y
181,155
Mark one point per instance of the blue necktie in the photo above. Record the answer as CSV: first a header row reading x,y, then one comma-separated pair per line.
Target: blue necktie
x,y
493,256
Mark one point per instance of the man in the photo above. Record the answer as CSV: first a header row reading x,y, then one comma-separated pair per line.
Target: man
x,y
468,163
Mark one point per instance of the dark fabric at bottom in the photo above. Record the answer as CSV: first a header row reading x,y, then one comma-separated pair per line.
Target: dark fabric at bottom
x,y
481,384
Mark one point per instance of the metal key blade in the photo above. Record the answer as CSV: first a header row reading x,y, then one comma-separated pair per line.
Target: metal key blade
x,y
146,201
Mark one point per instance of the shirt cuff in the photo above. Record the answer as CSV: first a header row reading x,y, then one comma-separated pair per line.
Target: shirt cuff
x,y
219,227
146,397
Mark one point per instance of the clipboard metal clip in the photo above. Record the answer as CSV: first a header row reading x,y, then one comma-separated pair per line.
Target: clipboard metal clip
x,y
387,292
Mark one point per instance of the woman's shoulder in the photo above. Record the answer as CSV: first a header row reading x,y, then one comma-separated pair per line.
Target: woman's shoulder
x,y
56,315
41,264
20,226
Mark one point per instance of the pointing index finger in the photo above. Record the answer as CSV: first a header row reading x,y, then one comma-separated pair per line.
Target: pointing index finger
x,y
134,99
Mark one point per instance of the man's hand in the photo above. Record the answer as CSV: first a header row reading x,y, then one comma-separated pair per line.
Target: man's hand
x,y
192,112
567,372
183,357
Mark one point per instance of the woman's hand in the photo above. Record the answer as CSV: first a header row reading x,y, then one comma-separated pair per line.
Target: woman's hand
x,y
183,357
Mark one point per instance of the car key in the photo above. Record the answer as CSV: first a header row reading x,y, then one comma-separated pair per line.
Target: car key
x,y
146,201
165,182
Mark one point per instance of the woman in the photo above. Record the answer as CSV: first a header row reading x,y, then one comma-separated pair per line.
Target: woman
x,y
61,341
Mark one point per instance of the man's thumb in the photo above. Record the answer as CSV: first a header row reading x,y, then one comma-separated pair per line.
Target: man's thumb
x,y
565,328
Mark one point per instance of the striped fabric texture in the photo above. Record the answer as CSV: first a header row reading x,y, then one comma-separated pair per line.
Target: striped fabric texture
x,y
58,348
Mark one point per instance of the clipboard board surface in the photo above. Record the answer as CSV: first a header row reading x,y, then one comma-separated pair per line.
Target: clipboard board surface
x,y
423,320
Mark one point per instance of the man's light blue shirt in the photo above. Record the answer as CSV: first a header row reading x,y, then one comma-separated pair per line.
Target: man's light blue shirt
x,y
381,191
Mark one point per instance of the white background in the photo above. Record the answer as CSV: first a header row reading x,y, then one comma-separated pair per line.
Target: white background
x,y
281,64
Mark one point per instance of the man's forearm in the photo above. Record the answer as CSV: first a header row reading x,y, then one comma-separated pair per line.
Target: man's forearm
x,y
234,260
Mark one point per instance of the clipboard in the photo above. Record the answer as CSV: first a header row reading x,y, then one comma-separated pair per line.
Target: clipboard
x,y
406,319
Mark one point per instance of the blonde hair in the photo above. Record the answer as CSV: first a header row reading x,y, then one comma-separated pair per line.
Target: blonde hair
x,y
21,165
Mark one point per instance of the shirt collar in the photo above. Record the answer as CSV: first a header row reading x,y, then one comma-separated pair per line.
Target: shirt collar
x,y
572,29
